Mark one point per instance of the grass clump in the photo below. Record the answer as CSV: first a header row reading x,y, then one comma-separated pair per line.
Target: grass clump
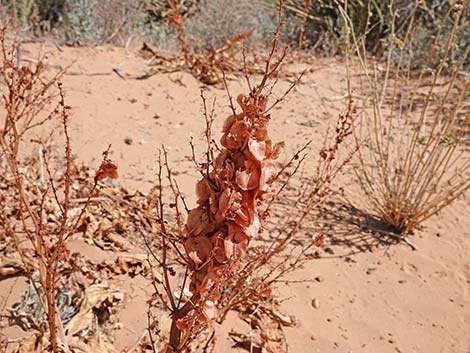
x,y
413,161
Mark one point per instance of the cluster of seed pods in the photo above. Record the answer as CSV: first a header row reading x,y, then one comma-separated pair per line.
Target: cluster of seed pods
x,y
220,228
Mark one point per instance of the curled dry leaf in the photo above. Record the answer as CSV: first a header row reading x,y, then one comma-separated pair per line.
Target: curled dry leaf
x,y
98,298
108,169
198,249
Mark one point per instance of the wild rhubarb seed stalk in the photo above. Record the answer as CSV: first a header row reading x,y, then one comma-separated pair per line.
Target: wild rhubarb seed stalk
x,y
220,228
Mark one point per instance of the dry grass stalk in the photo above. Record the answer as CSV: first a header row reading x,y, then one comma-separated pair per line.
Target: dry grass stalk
x,y
307,4
412,162
29,101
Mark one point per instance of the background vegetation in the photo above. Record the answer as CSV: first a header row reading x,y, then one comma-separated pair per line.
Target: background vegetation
x,y
209,23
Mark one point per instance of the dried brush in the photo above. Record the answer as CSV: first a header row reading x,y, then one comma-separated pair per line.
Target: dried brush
x,y
413,161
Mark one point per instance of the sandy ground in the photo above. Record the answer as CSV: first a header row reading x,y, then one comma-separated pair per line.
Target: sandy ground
x,y
372,298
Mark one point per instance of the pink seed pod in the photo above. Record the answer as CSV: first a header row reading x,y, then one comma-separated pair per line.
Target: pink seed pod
x,y
220,228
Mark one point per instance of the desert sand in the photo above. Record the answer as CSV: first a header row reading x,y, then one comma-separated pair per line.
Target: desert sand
x,y
361,295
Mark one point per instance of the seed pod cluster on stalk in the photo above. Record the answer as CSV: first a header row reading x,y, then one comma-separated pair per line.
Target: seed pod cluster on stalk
x,y
235,179
221,227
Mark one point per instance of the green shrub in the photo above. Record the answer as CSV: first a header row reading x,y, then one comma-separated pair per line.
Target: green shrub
x,y
82,23
218,21
160,35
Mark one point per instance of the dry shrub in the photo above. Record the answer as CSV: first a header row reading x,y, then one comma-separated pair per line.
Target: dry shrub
x,y
216,249
223,263
218,231
219,51
208,66
32,101
215,21
104,21
412,162
224,41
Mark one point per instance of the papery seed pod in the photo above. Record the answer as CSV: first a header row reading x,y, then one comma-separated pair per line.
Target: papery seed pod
x,y
198,248
220,228
108,169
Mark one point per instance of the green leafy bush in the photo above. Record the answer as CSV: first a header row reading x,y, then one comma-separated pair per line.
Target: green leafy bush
x,y
215,22
82,22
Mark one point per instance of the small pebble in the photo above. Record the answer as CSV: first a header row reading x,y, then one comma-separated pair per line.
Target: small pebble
x,y
316,303
309,123
370,270
128,141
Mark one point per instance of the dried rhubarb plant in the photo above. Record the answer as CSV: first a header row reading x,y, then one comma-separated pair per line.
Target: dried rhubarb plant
x,y
220,229
222,270
412,158
30,102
